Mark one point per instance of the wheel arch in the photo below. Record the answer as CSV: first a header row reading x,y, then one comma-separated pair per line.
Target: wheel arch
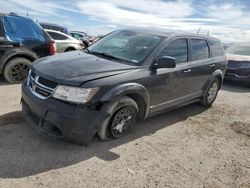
x,y
216,74
135,91
70,48
15,54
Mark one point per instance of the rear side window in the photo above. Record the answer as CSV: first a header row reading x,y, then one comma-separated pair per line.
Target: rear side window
x,y
177,49
216,48
57,36
199,49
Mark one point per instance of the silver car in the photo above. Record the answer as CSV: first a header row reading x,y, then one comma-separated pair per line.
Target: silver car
x,y
64,43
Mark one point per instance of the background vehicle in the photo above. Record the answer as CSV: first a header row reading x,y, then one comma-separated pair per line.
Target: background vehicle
x,y
54,27
125,76
64,43
238,68
21,42
80,36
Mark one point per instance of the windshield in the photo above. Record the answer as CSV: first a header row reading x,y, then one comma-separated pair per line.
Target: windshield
x,y
130,46
239,50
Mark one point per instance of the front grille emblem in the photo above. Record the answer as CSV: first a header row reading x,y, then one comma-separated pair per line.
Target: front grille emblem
x,y
37,88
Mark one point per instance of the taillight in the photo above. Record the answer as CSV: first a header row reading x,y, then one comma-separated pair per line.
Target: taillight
x,y
52,48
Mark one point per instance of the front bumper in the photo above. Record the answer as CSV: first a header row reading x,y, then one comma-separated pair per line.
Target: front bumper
x,y
55,118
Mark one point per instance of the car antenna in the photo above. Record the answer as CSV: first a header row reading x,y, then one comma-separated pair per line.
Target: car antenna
x,y
198,30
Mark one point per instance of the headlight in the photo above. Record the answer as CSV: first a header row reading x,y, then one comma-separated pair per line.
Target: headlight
x,y
74,94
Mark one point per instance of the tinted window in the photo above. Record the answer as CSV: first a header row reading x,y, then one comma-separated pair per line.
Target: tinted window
x,y
177,49
1,29
57,36
76,35
216,48
199,49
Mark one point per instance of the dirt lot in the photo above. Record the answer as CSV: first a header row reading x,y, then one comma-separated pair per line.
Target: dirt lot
x,y
188,147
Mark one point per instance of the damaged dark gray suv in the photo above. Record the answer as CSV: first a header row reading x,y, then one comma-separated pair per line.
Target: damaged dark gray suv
x,y
125,76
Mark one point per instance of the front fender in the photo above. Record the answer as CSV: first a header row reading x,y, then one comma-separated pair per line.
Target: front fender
x,y
126,89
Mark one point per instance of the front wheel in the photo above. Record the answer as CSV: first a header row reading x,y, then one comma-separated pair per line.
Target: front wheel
x,y
211,93
16,70
124,112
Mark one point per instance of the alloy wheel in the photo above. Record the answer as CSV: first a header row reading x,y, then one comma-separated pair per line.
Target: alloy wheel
x,y
122,121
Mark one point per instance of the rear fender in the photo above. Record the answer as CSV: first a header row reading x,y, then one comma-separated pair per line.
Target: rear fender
x,y
216,74
18,52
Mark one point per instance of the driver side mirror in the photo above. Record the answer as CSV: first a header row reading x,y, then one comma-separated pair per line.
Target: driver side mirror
x,y
164,62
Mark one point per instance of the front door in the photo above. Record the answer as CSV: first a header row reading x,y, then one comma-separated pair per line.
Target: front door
x,y
171,86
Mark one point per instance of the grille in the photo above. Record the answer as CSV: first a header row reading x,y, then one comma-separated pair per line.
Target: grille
x,y
39,86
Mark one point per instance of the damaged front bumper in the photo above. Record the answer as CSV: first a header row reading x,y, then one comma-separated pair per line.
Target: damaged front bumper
x,y
75,123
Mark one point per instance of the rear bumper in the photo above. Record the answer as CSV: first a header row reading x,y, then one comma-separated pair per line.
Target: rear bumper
x,y
54,118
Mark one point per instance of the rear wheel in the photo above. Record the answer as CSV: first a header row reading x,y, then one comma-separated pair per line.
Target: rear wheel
x,y
16,70
124,113
211,93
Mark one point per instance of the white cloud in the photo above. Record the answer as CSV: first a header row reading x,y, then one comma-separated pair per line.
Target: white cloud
x,y
228,20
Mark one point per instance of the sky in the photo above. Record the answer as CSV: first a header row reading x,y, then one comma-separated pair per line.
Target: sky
x,y
228,20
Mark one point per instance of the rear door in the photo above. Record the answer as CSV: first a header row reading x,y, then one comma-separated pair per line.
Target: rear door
x,y
202,66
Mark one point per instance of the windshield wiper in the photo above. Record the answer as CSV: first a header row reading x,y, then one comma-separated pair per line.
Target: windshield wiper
x,y
87,50
105,55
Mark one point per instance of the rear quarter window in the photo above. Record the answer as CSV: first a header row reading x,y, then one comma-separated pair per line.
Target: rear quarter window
x,y
216,48
200,49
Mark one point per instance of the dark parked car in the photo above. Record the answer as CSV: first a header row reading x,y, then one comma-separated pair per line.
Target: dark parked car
x,y
21,41
55,27
125,76
238,68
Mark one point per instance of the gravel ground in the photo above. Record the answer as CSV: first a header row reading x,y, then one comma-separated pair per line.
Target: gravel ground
x,y
188,147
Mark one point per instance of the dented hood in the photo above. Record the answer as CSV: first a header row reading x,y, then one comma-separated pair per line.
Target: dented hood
x,y
75,68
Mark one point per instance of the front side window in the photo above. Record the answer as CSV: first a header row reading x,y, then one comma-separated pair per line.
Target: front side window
x,y
129,46
57,36
199,49
177,49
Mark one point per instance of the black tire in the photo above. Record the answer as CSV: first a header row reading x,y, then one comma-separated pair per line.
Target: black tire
x,y
121,105
211,93
70,49
16,70
86,45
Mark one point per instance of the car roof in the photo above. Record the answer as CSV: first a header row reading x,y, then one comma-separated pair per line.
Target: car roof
x,y
169,33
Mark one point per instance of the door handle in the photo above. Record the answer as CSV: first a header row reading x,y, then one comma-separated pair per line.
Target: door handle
x,y
212,65
187,70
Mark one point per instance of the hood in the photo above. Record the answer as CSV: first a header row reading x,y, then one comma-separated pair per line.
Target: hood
x,y
77,67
